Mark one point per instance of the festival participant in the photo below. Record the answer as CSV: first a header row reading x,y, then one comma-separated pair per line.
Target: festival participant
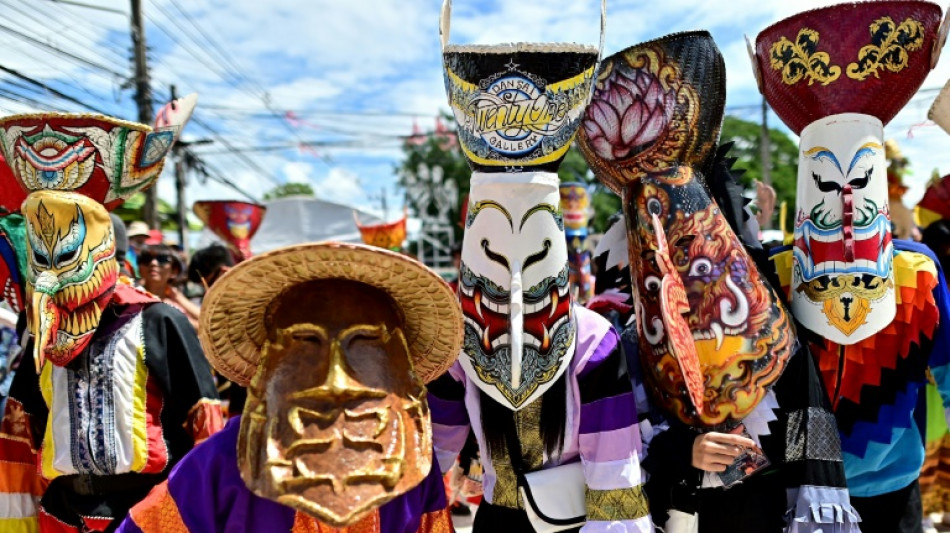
x,y
717,348
121,389
575,204
336,431
870,307
540,380
232,221
209,264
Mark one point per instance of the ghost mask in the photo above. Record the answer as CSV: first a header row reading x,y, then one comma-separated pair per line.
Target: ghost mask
x,y
71,271
842,284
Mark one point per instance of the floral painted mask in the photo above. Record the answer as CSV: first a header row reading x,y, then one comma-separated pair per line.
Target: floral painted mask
x,y
713,335
71,271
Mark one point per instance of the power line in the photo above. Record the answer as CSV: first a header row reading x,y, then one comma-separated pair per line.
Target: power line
x,y
61,52
71,26
50,89
90,6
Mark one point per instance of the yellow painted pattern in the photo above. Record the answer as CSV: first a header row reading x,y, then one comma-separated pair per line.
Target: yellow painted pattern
x,y
48,449
19,525
139,435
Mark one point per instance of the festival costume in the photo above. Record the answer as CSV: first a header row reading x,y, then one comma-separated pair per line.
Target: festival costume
x,y
717,348
575,204
233,222
527,345
870,306
932,212
121,389
336,435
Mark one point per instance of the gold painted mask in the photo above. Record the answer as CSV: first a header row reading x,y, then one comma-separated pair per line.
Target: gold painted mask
x,y
336,422
71,272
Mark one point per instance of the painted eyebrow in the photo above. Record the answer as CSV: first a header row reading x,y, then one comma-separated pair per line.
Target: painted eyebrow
x,y
548,208
490,204
867,149
818,152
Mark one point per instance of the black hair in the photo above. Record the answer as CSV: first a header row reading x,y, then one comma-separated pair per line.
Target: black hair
x,y
497,419
206,261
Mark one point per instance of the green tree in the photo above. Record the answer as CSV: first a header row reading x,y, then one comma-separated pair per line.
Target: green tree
x,y
289,189
747,137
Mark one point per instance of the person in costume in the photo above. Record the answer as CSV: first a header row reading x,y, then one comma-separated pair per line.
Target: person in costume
x,y
121,389
336,434
575,204
233,222
750,444
540,380
870,307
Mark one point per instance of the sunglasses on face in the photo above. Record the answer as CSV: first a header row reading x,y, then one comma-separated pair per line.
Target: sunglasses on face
x,y
163,259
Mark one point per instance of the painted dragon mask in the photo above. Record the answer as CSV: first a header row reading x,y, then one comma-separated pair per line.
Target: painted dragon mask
x,y
713,335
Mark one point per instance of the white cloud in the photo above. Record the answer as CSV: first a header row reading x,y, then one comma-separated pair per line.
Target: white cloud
x,y
342,186
297,172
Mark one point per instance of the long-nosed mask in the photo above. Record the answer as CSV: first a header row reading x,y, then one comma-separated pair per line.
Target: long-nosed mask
x,y
514,287
336,422
837,92
71,271
713,336
518,107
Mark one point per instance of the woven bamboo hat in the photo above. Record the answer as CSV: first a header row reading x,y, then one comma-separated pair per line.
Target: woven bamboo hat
x,y
232,325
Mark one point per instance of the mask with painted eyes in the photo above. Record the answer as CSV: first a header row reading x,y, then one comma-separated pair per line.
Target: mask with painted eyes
x,y
518,107
71,271
837,94
713,336
842,282
336,422
514,287
234,222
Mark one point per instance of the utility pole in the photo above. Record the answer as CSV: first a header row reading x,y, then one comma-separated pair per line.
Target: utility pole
x,y
766,146
180,154
143,97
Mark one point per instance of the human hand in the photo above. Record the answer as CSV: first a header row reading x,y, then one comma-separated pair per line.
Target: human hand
x,y
713,452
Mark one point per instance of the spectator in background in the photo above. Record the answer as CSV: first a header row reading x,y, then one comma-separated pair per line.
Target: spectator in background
x,y
137,234
206,267
159,266
121,247
209,264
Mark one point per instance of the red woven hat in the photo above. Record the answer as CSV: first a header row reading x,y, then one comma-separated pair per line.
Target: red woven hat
x,y
104,158
867,57
233,221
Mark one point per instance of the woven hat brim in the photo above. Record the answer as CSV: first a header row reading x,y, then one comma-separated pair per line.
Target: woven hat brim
x,y
232,324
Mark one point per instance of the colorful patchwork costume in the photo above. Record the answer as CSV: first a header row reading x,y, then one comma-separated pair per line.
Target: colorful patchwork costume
x,y
871,308
336,434
121,388
717,348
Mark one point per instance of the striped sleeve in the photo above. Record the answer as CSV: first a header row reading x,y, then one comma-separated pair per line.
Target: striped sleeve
x,y
450,423
21,486
609,440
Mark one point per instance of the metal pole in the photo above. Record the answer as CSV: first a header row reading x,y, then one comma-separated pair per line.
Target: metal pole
x,y
143,97
766,146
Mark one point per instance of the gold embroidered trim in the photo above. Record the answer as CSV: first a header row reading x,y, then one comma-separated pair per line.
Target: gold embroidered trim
x,y
890,47
801,59
617,504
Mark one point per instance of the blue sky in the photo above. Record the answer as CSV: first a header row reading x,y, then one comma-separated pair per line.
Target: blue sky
x,y
354,74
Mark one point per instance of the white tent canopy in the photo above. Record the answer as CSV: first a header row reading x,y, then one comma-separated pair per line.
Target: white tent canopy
x,y
299,219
